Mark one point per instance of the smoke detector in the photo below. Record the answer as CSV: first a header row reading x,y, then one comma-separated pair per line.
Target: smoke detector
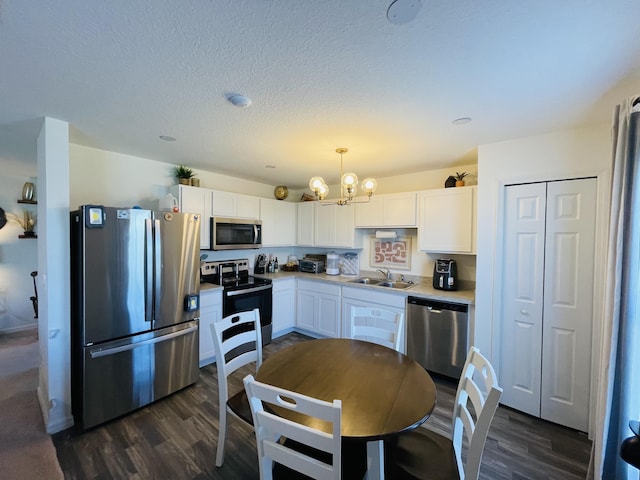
x,y
403,11
239,100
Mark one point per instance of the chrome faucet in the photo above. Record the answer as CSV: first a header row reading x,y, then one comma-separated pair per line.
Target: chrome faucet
x,y
385,273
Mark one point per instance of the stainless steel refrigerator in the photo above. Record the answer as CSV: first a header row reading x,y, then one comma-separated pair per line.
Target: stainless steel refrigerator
x,y
135,286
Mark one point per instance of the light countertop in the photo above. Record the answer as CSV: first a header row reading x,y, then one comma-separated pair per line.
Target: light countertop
x,y
423,287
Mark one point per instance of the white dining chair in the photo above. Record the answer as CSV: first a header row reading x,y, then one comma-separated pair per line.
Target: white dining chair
x,y
422,453
234,331
377,325
271,429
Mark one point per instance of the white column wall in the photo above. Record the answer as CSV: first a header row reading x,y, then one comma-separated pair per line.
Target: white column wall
x,y
54,389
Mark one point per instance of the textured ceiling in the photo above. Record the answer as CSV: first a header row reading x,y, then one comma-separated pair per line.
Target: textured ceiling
x,y
321,75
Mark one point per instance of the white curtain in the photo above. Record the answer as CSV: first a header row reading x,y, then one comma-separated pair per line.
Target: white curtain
x,y
619,388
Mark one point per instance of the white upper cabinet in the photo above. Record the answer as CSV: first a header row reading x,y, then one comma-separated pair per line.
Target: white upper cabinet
x,y
447,220
391,210
228,204
196,200
306,223
334,226
278,223
247,206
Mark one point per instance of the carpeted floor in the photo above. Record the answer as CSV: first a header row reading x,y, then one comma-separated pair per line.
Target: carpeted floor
x,y
26,451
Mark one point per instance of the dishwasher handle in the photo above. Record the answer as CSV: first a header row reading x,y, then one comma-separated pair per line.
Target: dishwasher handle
x,y
436,306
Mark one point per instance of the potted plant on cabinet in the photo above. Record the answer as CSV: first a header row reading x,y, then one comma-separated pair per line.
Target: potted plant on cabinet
x,y
183,174
460,179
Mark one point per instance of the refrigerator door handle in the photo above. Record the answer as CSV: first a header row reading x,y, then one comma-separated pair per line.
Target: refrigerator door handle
x,y
157,266
131,346
148,283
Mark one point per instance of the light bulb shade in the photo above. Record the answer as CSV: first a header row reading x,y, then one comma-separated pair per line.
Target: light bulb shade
x,y
349,191
369,185
323,191
349,179
316,183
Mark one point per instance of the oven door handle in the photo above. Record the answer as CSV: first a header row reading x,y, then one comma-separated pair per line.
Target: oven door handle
x,y
247,290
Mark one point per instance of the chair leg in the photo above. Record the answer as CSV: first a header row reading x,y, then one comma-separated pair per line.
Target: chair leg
x,y
375,460
222,433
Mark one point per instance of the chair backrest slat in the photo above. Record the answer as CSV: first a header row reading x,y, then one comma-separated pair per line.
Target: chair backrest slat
x,y
474,427
242,329
377,325
270,427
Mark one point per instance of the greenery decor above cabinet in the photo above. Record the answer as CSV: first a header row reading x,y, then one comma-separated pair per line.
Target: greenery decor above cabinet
x,y
447,220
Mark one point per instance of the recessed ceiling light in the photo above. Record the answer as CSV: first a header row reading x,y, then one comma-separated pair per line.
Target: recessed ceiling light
x,y
403,11
269,166
167,138
462,121
239,100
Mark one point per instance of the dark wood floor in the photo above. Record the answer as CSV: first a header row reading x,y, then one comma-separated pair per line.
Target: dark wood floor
x,y
176,438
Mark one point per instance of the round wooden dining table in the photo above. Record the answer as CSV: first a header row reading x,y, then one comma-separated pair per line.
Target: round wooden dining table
x,y
383,392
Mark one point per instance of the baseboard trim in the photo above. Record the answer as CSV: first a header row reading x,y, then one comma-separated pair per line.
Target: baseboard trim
x,y
52,426
20,328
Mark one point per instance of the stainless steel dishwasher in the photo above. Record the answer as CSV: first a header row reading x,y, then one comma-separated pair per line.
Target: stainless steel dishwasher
x,y
438,335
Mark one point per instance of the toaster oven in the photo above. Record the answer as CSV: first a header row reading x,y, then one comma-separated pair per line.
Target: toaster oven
x,y
311,265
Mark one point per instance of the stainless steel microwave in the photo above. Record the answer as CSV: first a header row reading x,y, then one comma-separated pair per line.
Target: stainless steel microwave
x,y
235,233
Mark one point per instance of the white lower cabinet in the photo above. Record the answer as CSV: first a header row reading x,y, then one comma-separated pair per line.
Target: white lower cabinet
x,y
210,311
363,297
318,308
284,306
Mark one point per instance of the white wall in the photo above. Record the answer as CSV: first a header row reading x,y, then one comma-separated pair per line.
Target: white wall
x,y
559,155
115,179
18,257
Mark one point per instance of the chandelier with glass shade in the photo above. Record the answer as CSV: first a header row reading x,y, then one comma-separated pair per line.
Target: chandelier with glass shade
x,y
348,186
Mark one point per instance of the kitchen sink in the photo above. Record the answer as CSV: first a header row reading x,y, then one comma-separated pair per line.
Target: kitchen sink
x,y
382,283
366,281
400,285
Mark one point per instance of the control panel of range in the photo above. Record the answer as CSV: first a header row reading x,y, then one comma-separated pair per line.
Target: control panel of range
x,y
224,269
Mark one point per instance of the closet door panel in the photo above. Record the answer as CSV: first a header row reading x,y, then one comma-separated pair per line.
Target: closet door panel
x,y
568,302
522,297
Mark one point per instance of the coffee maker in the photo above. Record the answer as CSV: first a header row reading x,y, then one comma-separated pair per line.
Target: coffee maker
x,y
445,274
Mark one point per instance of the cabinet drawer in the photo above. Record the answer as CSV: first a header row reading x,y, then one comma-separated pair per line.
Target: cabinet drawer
x,y
375,296
319,287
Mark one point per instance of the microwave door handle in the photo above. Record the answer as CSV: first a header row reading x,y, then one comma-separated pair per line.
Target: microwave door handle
x,y
255,234
148,272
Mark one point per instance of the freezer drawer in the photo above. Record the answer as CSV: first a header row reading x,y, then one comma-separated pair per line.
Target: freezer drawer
x,y
120,376
438,335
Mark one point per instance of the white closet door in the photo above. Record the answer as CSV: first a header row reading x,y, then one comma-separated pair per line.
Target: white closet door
x,y
523,297
568,302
